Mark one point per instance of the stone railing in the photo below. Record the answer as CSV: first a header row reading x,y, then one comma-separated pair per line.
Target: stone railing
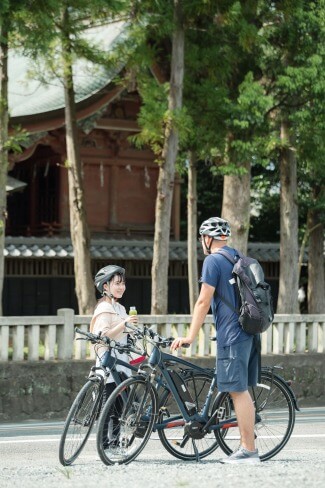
x,y
52,337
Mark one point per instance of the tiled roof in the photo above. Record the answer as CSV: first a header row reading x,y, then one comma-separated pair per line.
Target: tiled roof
x,y
57,247
28,96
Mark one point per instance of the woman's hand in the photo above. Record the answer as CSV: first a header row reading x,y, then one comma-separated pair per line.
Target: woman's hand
x,y
179,341
131,321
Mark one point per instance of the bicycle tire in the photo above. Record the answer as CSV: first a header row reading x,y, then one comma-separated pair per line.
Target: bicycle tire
x,y
275,412
80,421
174,439
133,408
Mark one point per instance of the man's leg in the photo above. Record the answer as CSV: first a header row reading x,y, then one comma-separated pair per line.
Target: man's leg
x,y
245,413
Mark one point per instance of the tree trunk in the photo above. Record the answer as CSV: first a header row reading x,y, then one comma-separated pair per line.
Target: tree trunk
x,y
316,278
193,286
288,281
159,270
3,142
236,207
80,235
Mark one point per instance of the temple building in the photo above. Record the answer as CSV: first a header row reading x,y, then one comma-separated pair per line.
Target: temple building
x,y
120,191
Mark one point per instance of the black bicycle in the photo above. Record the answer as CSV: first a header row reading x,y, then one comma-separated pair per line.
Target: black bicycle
x,y
182,422
87,406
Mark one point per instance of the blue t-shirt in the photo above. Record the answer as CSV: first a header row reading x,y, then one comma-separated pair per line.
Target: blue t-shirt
x,y
217,272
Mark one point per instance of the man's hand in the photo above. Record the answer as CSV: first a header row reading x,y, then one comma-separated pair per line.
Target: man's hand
x,y
179,341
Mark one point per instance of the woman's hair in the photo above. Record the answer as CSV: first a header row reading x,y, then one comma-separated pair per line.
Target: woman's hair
x,y
120,276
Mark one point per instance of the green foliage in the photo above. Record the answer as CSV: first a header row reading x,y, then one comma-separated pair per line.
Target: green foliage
x,y
152,112
16,140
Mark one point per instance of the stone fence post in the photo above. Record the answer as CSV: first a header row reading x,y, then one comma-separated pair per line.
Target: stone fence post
x,y
65,334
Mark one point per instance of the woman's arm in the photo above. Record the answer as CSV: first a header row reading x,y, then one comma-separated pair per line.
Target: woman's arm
x,y
103,324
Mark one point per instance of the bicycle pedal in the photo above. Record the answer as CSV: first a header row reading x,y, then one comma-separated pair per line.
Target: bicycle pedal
x,y
221,413
165,411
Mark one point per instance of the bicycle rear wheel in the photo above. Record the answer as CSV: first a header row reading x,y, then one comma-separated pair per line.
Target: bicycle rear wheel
x,y
173,438
275,417
79,421
126,421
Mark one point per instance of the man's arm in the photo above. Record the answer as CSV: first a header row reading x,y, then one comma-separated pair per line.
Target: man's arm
x,y
200,311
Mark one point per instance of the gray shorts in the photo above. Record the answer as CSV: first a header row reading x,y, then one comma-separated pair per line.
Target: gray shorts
x,y
237,366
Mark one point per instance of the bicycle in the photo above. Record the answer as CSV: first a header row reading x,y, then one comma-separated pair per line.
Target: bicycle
x,y
213,421
87,405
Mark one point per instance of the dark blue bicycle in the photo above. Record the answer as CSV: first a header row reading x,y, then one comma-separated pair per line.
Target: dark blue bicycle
x,y
191,424
87,406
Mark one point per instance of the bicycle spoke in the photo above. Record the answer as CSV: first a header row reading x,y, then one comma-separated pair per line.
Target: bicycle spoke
x,y
175,440
126,422
275,418
79,422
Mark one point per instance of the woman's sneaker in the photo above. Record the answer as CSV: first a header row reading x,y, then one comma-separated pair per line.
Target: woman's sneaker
x,y
242,456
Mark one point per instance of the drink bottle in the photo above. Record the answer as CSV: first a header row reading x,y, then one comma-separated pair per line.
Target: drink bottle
x,y
133,311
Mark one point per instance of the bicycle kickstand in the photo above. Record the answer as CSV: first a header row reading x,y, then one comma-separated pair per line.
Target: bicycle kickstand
x,y
197,456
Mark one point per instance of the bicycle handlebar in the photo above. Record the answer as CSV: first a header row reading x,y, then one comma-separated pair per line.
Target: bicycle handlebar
x,y
146,332
157,339
94,338
98,338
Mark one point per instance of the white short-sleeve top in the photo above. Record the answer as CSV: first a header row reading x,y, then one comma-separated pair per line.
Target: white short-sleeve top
x,y
106,316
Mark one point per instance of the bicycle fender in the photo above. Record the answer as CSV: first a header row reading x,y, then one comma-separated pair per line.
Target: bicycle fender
x,y
286,384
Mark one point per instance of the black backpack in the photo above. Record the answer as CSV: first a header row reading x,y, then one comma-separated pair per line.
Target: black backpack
x,y
256,304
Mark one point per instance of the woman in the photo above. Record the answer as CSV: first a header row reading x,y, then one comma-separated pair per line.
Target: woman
x,y
110,319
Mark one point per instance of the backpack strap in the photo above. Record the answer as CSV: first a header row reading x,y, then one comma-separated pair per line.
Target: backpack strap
x,y
231,259
227,255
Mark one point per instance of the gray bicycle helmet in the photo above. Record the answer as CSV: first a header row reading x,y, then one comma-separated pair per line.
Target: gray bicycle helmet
x,y
216,227
105,274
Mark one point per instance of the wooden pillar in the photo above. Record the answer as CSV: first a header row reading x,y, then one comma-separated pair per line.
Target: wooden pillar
x,y
34,210
112,197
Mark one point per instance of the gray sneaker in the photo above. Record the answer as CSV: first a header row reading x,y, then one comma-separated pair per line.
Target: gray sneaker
x,y
242,456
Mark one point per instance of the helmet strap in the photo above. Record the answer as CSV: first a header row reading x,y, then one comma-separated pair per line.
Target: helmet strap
x,y
207,248
109,294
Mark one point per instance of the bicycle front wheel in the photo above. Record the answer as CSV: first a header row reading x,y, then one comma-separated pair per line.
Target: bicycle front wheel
x,y
173,437
126,422
80,421
275,418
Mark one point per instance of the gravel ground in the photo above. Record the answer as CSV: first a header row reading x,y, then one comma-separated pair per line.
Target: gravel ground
x,y
300,464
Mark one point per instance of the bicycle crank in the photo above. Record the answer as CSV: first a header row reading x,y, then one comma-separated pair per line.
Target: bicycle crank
x,y
194,430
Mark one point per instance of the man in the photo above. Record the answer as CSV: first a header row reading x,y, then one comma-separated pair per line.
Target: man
x,y
237,357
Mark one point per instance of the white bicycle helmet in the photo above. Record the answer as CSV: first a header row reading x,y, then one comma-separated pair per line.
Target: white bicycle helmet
x,y
216,227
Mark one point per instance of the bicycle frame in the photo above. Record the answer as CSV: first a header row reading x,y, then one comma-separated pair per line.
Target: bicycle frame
x,y
210,422
109,361
163,361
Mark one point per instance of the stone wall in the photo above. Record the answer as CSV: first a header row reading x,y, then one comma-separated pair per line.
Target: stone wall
x,y
45,390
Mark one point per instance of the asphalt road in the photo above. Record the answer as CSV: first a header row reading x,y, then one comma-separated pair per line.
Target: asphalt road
x,y
29,458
